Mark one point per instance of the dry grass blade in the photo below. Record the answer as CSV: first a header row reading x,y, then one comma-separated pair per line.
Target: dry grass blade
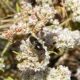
x,y
8,6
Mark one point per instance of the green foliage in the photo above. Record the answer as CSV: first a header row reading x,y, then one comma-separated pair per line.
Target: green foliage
x,y
9,78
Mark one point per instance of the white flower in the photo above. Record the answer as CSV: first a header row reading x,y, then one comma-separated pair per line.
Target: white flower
x,y
55,22
48,11
78,73
26,6
32,20
76,15
61,73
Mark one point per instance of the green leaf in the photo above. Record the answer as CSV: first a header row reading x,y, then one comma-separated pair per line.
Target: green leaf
x,y
17,7
9,78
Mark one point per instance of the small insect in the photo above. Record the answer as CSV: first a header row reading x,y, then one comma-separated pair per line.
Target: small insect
x,y
39,48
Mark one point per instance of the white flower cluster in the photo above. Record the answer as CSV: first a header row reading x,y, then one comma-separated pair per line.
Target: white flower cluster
x,y
74,7
15,29
64,38
40,14
31,18
30,57
61,73
72,4
25,5
76,15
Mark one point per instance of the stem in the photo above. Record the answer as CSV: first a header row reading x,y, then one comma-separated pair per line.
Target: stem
x,y
5,26
6,48
15,52
7,20
53,52
66,21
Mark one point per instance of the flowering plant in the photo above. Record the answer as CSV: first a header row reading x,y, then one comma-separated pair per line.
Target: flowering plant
x,y
44,32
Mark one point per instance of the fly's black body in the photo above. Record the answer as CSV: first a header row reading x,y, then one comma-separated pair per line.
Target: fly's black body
x,y
38,47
